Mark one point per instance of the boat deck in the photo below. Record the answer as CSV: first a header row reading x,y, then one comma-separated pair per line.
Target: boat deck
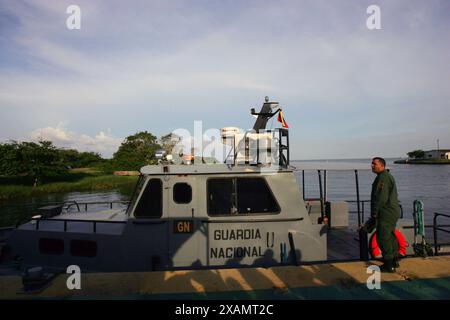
x,y
106,222
343,244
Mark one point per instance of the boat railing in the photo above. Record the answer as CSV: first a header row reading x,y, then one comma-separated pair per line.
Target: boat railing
x,y
323,193
362,210
360,203
261,147
442,228
57,207
85,205
94,223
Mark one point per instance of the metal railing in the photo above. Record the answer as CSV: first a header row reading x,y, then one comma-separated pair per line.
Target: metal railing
x,y
361,207
361,210
86,204
437,228
94,222
323,193
67,205
251,156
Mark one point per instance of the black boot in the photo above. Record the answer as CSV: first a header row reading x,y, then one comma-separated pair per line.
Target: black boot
x,y
396,262
388,266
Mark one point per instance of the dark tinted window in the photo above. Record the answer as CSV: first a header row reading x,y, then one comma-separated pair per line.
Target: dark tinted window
x,y
240,196
221,196
137,191
182,193
254,196
83,248
51,246
150,203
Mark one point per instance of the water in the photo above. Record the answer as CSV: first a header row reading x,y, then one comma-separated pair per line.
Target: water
x,y
18,210
429,183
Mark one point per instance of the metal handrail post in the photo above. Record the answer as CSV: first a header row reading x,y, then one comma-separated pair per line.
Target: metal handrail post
x,y
321,194
363,210
303,184
435,234
288,150
257,150
357,197
78,207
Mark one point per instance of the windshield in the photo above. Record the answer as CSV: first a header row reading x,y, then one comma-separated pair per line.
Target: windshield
x,y
136,192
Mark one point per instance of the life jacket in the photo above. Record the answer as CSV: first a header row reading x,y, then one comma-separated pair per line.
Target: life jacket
x,y
375,251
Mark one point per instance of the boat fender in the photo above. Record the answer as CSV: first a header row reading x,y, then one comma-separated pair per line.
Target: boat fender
x,y
375,251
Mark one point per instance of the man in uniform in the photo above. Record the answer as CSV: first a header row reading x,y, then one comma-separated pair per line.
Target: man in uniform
x,y
385,211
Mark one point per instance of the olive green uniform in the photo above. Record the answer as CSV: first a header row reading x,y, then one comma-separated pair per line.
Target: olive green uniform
x,y
386,210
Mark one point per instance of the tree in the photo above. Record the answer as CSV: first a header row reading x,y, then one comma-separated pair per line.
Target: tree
x,y
74,159
36,160
41,160
87,159
10,159
416,154
136,151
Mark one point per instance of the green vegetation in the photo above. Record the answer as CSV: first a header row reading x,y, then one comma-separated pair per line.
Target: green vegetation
x,y
418,157
136,151
75,159
422,161
31,169
35,160
19,187
416,154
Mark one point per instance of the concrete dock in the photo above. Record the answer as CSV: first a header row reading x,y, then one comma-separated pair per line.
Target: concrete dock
x,y
417,278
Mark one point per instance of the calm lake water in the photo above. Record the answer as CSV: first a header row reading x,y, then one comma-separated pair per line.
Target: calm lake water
x,y
429,183
13,211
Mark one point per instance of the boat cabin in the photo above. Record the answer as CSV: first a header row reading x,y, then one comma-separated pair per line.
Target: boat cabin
x,y
247,211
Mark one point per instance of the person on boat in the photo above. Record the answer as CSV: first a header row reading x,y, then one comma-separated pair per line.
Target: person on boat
x,y
384,213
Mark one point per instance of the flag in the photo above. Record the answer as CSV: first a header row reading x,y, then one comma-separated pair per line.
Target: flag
x,y
281,119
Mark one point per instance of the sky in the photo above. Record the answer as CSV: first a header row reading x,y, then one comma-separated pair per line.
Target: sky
x,y
346,91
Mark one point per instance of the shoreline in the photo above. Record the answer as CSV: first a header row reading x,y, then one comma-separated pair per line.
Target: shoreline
x,y
421,161
86,183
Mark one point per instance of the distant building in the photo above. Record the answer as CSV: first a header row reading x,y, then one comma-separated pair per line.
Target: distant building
x,y
443,154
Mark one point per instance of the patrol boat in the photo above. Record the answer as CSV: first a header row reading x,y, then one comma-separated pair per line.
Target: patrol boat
x,y
247,211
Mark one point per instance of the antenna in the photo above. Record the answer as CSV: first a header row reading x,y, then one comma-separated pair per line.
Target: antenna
x,y
265,114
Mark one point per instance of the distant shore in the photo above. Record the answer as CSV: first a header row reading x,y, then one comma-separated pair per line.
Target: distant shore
x,y
422,161
72,182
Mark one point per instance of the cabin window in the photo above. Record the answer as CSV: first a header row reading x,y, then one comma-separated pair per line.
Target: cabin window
x,y
221,199
182,193
254,196
83,248
51,246
240,196
150,203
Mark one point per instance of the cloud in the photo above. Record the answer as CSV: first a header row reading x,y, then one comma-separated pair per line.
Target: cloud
x,y
103,142
58,135
133,66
